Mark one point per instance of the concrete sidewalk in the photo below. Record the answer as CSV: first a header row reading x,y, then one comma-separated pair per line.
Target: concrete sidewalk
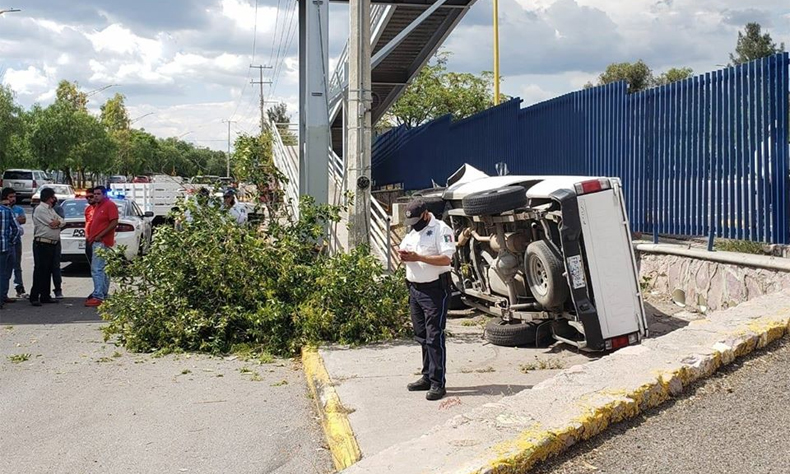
x,y
514,433
371,381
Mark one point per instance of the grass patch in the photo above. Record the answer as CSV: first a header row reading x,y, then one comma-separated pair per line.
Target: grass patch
x,y
19,358
542,364
186,372
742,246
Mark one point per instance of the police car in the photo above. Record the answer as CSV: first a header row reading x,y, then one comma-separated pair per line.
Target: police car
x,y
550,255
134,229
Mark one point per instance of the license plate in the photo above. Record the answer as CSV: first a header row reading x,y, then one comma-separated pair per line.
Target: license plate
x,y
577,271
79,233
81,245
17,185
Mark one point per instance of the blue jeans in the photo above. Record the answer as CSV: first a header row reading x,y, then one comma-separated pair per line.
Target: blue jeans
x,y
101,282
18,283
7,264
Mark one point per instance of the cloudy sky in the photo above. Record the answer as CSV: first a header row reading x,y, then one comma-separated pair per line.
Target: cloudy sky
x,y
184,64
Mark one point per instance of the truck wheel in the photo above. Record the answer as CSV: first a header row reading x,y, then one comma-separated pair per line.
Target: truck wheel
x,y
544,273
501,333
495,201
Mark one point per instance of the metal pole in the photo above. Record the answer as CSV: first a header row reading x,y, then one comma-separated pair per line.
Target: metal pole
x,y
496,52
357,159
227,156
389,243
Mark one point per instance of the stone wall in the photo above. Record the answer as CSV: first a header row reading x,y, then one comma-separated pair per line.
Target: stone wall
x,y
720,285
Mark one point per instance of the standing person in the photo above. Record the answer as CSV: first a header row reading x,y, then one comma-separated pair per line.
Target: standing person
x,y
21,220
102,236
9,233
46,236
88,218
57,278
427,251
236,209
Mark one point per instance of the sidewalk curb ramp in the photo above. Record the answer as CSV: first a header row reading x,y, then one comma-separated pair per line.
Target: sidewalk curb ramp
x,y
514,434
334,416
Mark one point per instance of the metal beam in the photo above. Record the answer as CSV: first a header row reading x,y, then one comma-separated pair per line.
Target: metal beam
x,y
314,136
394,42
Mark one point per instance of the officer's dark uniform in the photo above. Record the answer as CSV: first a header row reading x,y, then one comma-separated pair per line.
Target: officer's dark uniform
x,y
429,295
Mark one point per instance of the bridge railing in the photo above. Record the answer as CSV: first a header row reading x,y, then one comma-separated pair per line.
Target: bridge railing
x,y
286,163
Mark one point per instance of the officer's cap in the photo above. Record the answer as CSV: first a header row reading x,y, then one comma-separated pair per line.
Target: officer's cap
x,y
414,210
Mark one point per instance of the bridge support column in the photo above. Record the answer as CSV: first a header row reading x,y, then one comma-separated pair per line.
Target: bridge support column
x,y
314,135
357,157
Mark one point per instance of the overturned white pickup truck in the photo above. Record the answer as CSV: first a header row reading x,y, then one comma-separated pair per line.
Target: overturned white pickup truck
x,y
549,255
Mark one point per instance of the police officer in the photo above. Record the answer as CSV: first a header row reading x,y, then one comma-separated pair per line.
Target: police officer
x,y
427,251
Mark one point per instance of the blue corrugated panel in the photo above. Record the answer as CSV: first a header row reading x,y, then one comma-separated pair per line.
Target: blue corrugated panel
x,y
705,155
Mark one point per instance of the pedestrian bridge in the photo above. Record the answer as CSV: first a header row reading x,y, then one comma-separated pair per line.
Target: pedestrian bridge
x,y
404,36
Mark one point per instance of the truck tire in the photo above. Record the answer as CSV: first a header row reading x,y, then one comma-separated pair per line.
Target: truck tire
x,y
544,274
501,333
495,201
435,206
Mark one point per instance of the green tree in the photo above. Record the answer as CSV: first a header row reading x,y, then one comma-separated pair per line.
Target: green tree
x,y
435,92
114,115
11,127
69,93
638,75
279,115
752,44
673,75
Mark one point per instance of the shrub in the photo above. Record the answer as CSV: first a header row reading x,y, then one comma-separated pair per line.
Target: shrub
x,y
209,285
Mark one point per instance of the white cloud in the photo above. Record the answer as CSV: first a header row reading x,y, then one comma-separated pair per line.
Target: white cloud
x,y
30,81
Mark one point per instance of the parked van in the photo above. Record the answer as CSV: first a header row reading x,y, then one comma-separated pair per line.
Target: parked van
x,y
24,182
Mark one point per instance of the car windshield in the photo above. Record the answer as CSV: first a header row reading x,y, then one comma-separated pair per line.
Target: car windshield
x,y
18,175
64,189
74,207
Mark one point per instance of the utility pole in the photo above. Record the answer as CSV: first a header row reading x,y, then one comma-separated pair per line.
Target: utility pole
x,y
359,122
261,82
227,157
496,52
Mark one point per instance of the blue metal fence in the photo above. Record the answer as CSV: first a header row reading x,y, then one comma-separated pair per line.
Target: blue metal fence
x,y
705,155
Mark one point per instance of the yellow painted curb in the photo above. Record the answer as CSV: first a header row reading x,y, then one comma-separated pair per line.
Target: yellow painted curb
x,y
539,444
334,416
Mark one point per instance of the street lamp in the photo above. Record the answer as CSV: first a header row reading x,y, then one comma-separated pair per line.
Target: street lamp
x,y
96,91
10,10
140,117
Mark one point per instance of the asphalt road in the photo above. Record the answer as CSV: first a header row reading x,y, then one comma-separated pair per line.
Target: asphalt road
x,y
735,422
71,402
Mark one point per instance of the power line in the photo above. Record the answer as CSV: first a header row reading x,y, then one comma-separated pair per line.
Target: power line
x,y
261,82
252,59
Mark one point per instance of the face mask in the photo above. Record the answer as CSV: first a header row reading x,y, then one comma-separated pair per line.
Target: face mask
x,y
420,225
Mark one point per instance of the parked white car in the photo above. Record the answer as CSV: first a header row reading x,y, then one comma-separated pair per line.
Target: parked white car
x,y
134,229
62,192
549,255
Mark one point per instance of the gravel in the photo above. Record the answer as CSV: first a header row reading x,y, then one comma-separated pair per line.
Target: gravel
x,y
735,421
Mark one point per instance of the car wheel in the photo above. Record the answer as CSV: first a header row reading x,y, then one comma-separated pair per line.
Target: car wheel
x,y
544,273
495,201
510,334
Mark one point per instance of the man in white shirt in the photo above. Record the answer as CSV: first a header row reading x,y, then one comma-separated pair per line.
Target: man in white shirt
x,y
46,236
237,210
427,252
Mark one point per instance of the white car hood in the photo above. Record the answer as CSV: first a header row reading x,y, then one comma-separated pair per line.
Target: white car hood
x,y
475,181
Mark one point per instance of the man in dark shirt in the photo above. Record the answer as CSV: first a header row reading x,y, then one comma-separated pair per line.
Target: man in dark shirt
x,y
9,233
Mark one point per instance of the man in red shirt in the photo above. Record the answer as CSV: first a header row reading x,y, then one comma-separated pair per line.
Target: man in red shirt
x,y
101,235
88,218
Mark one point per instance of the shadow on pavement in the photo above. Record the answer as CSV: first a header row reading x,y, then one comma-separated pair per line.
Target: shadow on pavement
x,y
659,322
77,270
68,311
485,390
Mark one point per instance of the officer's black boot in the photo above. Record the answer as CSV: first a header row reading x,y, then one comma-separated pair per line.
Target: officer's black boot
x,y
419,386
435,393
